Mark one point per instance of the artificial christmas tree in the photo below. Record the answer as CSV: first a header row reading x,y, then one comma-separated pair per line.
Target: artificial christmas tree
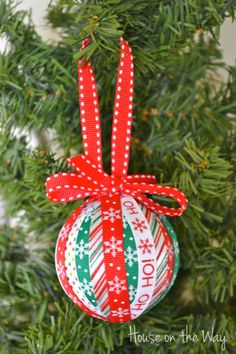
x,y
183,133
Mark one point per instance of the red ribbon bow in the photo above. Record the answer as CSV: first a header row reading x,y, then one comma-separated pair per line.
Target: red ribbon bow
x,y
91,180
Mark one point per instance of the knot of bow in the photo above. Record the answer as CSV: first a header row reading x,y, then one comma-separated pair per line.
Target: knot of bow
x,y
91,181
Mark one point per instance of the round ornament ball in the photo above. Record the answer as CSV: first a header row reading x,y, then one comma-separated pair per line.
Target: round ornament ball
x,y
87,266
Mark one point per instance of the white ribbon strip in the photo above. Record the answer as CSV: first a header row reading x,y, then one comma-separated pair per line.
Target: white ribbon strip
x,y
146,254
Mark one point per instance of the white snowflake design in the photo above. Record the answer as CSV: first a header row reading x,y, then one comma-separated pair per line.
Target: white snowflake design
x,y
139,225
132,292
113,247
169,251
111,215
145,246
64,232
120,312
86,287
117,285
81,249
130,256
61,270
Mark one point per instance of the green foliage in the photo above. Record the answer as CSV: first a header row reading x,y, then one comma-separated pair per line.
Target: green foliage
x,y
183,132
70,327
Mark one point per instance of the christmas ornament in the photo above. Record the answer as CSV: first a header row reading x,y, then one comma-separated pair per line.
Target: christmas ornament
x,y
116,255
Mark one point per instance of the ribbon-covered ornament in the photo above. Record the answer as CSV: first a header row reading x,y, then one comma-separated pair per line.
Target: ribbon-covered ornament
x,y
116,255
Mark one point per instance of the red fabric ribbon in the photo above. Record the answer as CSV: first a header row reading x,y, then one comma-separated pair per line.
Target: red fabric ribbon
x,y
90,179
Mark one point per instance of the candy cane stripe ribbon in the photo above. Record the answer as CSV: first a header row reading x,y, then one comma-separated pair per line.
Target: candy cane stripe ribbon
x,y
90,180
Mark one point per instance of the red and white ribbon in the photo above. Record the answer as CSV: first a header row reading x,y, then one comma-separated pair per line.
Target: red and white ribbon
x,y
90,179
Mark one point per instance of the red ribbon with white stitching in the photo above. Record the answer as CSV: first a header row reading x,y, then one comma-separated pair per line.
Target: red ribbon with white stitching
x,y
90,179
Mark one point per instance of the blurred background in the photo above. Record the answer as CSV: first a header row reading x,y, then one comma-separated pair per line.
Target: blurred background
x,y
39,9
